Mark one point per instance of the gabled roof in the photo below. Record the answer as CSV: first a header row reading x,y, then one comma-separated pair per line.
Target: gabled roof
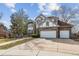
x,y
60,23
52,17
41,22
39,16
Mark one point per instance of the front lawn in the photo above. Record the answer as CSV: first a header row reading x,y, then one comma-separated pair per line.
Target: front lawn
x,y
11,43
4,40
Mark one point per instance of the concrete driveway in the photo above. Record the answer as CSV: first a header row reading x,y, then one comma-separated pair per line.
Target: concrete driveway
x,y
58,45
44,47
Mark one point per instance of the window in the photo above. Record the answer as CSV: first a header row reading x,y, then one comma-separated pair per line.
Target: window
x,y
30,26
47,23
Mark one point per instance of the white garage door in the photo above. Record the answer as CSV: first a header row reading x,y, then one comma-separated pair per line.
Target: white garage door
x,y
64,34
48,34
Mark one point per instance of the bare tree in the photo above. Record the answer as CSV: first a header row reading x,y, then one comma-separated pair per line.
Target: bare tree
x,y
66,13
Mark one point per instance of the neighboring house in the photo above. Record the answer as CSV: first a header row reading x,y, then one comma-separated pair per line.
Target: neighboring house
x,y
3,31
52,27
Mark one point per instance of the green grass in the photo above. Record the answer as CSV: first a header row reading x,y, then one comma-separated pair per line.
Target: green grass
x,y
14,44
4,40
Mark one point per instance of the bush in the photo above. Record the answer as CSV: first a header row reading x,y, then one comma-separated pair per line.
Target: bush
x,y
35,35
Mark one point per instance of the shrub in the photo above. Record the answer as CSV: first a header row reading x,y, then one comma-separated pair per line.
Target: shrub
x,y
35,35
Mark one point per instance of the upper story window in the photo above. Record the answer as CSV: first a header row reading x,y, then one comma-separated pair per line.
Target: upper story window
x,y
47,23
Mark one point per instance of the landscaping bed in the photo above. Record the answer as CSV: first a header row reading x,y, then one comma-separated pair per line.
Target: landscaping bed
x,y
14,43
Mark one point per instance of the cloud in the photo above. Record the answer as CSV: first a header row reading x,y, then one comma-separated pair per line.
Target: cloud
x,y
41,6
31,4
13,10
53,6
11,6
25,10
47,8
46,13
7,23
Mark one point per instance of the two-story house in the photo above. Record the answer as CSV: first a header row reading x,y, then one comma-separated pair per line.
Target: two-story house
x,y
52,27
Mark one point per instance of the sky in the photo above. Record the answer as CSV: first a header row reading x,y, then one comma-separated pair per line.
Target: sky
x,y
31,9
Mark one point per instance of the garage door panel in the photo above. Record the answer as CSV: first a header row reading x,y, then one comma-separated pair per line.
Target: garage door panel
x,y
48,34
64,34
